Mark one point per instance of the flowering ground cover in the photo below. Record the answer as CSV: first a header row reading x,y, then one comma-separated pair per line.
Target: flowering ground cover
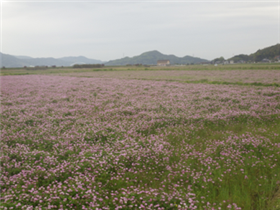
x,y
110,143
241,74
257,77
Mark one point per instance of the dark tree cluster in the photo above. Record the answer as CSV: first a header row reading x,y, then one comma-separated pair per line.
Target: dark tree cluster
x,y
88,65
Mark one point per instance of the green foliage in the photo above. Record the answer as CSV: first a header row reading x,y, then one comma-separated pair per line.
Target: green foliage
x,y
30,122
7,103
241,57
88,65
268,53
220,59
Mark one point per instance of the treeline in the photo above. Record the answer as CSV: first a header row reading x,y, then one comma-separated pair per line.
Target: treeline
x,y
242,57
88,65
37,67
220,59
137,64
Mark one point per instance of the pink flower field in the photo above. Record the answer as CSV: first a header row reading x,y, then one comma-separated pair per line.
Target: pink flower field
x,y
242,76
113,143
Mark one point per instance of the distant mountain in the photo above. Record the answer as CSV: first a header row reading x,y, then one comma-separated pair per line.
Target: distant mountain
x,y
46,62
81,59
268,53
22,57
147,58
151,58
10,61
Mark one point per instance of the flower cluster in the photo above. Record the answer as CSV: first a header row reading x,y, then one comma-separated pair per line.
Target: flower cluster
x,y
202,75
103,143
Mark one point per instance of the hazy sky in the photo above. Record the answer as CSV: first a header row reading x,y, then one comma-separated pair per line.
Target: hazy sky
x,y
108,30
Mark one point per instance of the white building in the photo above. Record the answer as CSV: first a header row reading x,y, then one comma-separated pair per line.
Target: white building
x,y
163,62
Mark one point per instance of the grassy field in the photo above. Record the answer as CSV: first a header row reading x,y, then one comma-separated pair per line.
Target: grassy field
x,y
245,74
190,137
58,70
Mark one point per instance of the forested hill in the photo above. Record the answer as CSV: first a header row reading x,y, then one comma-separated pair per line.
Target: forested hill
x,y
151,58
268,53
11,61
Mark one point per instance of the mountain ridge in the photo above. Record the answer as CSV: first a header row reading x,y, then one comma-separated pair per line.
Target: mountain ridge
x,y
14,61
11,61
146,58
76,59
151,58
265,53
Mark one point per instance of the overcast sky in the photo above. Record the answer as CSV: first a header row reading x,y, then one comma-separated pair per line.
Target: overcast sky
x,y
113,29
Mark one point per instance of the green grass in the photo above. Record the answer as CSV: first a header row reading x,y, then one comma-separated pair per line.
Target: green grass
x,y
235,83
235,189
23,71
